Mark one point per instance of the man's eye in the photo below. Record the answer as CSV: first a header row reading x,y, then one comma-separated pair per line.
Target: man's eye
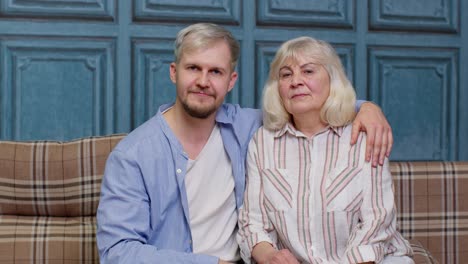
x,y
308,71
216,72
192,68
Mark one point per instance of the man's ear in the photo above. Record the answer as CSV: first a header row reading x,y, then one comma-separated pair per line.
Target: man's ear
x,y
233,80
173,71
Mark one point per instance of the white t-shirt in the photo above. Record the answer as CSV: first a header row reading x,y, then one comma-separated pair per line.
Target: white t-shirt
x,y
212,205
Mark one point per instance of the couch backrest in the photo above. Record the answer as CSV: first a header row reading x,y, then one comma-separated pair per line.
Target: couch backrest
x,y
46,178
432,203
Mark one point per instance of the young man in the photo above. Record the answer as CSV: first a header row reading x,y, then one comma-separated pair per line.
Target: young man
x,y
172,187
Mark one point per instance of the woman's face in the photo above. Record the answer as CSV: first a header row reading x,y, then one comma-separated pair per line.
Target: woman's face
x,y
304,86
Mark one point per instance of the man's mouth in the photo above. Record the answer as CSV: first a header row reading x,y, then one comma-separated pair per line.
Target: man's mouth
x,y
201,93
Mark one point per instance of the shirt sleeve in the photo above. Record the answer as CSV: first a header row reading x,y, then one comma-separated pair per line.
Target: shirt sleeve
x,y
123,219
358,105
254,224
369,238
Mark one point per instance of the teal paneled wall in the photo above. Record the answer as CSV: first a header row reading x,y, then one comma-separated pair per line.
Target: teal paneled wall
x,y
72,69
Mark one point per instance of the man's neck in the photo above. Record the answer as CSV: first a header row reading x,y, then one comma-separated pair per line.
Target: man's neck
x,y
193,133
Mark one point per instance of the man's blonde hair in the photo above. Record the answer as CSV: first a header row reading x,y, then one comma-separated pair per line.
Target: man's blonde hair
x,y
338,109
202,35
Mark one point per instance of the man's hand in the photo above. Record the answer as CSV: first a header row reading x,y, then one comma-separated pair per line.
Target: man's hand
x,y
224,262
371,120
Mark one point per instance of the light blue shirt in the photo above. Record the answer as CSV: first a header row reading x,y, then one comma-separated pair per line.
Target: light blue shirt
x,y
143,214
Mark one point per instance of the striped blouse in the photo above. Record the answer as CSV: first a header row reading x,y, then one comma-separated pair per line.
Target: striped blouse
x,y
318,198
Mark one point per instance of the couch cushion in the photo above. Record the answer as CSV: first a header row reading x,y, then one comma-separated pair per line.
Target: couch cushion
x,y
28,239
48,178
431,198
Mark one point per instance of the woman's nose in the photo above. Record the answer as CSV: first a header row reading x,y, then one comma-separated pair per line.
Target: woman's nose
x,y
296,80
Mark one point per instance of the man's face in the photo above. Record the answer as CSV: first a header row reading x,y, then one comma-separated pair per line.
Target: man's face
x,y
203,77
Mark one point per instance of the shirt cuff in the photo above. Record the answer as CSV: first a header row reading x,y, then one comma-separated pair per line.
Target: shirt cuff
x,y
358,105
248,243
365,253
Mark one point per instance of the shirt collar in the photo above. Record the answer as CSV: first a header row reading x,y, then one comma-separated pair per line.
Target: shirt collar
x,y
224,115
289,128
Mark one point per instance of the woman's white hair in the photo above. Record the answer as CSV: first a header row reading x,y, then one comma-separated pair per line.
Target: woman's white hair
x,y
338,109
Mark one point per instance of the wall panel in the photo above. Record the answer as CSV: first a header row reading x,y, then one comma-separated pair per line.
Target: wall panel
x,y
59,9
317,13
151,85
220,11
93,67
417,89
56,88
429,15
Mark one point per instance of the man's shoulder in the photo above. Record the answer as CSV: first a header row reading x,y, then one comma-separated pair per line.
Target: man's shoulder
x,y
243,121
234,113
237,109
141,136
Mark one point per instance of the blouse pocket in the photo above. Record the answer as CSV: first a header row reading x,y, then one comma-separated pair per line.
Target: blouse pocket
x,y
343,190
278,189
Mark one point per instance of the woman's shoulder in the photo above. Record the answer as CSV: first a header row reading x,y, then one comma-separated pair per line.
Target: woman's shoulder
x,y
263,136
347,132
356,152
265,132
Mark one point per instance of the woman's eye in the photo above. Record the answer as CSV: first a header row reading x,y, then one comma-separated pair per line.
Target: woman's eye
x,y
285,74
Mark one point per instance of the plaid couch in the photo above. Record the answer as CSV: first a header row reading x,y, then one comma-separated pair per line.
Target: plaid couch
x,y
431,209
49,192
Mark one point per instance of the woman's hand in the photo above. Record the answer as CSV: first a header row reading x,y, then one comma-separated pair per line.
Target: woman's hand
x,y
265,253
282,256
371,120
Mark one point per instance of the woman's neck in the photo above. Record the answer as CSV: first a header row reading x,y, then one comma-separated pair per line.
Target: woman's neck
x,y
309,124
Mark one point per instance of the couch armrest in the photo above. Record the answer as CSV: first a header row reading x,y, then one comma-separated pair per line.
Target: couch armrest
x,y
420,254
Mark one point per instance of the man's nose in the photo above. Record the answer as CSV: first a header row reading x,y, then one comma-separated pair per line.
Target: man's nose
x,y
203,79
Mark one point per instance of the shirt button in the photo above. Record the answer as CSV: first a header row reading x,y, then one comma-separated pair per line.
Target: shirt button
x,y
178,170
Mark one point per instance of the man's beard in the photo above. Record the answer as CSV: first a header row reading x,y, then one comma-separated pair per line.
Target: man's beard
x,y
198,112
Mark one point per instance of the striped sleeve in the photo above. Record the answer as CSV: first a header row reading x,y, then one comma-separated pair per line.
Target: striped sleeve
x,y
369,238
254,225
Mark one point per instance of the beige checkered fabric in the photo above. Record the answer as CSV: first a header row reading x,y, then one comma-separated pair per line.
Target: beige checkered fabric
x,y
49,192
432,208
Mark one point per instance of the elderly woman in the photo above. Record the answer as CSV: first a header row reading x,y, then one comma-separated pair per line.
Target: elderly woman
x,y
311,196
